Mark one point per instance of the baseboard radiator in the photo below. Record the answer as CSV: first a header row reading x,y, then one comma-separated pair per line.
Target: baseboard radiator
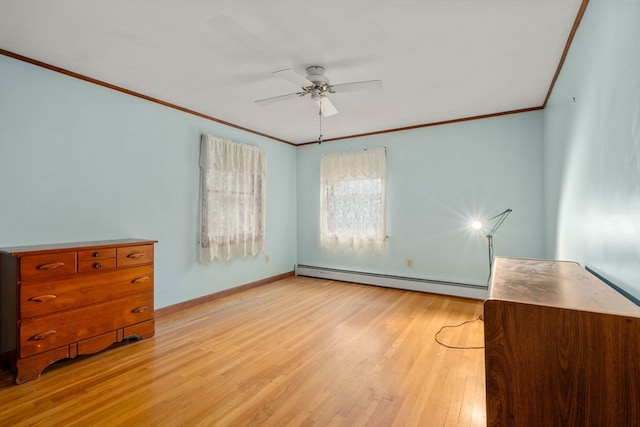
x,y
407,283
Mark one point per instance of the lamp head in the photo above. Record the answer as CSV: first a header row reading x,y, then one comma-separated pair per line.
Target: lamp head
x,y
476,225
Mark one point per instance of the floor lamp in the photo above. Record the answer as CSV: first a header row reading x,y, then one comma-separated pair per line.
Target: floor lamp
x,y
499,219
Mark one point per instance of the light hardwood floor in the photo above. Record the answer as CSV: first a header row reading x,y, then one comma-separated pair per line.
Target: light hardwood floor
x,y
297,352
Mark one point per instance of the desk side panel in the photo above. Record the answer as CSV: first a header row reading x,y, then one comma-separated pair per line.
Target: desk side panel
x,y
550,366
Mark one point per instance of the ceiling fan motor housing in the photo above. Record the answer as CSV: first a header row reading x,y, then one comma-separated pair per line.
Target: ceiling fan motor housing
x,y
315,74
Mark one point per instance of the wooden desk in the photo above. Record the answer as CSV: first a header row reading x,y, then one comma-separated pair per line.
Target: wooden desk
x,y
562,348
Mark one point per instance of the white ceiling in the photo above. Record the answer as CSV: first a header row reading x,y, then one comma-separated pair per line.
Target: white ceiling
x,y
438,60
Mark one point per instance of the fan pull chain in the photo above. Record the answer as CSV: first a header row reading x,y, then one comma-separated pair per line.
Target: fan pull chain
x,y
320,114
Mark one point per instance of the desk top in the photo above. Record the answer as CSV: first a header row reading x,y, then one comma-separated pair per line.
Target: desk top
x,y
559,284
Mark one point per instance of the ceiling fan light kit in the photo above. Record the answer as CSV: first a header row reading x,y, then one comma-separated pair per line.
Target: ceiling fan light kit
x,y
315,94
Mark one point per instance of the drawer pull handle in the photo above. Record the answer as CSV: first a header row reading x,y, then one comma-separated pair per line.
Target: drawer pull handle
x,y
50,266
43,298
140,309
97,254
42,336
140,279
135,255
97,265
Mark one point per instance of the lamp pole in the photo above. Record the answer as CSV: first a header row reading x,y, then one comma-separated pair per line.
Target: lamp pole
x,y
500,219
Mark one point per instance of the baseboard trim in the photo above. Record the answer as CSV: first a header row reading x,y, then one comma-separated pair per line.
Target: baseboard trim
x,y
463,290
171,309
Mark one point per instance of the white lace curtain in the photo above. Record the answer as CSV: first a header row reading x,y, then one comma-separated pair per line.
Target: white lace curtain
x,y
353,201
233,199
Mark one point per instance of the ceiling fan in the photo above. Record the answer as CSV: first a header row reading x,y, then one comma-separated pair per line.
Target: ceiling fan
x,y
317,85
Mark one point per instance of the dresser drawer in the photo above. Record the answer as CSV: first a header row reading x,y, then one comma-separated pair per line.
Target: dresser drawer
x,y
135,309
96,265
41,298
94,254
132,255
33,267
48,332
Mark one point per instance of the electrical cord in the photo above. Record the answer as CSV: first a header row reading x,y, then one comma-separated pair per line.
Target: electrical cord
x,y
456,326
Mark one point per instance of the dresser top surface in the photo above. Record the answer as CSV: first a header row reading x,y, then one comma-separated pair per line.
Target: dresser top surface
x,y
60,247
559,284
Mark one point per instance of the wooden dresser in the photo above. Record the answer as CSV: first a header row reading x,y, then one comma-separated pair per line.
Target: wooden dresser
x,y
562,348
59,301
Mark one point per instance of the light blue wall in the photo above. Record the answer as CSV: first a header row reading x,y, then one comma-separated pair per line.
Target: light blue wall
x,y
439,179
81,162
592,147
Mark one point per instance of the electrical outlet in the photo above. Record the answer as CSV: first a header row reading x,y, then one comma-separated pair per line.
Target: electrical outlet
x,y
266,259
409,262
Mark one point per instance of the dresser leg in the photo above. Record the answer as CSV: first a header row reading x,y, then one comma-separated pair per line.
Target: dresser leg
x,y
31,367
143,330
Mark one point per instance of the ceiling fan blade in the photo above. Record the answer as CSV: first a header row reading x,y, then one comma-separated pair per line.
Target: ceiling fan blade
x,y
357,86
273,100
326,107
293,77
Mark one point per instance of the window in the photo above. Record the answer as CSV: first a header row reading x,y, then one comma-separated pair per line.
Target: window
x,y
233,199
353,201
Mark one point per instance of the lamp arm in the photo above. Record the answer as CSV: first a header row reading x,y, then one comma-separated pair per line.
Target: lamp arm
x,y
502,216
